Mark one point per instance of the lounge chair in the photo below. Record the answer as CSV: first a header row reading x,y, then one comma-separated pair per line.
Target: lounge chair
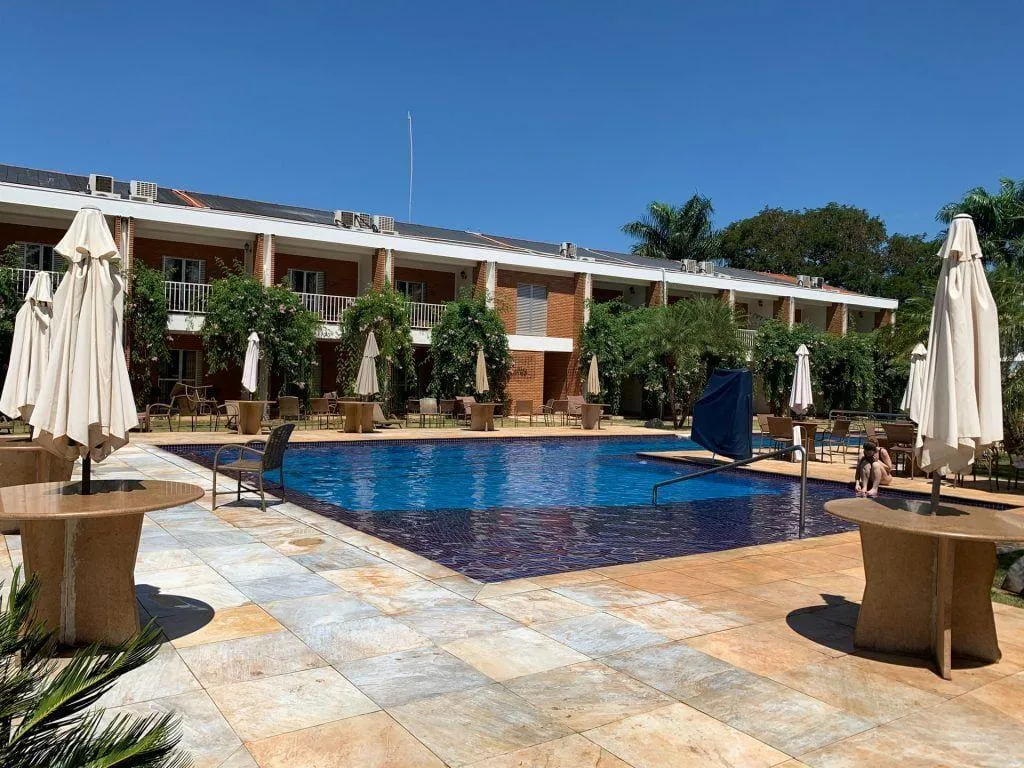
x,y
252,460
380,420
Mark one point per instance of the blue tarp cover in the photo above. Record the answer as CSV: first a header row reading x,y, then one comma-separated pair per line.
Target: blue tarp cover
x,y
723,416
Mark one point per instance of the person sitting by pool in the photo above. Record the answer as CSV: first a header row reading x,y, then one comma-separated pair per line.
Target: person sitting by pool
x,y
873,470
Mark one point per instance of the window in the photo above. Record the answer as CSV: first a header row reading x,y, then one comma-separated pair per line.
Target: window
x,y
179,270
184,365
306,281
413,291
39,256
531,310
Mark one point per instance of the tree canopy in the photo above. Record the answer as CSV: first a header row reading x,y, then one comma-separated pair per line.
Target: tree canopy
x,y
466,326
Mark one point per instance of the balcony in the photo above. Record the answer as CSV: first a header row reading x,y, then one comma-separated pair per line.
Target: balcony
x,y
747,339
23,279
425,316
187,298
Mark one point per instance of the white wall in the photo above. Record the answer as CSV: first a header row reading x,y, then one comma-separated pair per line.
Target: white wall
x,y
814,315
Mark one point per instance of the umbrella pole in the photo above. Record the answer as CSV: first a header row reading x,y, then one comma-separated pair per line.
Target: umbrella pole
x,y
936,491
86,475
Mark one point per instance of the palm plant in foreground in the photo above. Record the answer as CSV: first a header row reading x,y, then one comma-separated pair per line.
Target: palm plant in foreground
x,y
46,714
676,233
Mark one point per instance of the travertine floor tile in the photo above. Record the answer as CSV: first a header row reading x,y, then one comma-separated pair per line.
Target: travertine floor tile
x,y
674,619
599,634
249,658
570,752
756,650
188,629
537,606
513,653
405,676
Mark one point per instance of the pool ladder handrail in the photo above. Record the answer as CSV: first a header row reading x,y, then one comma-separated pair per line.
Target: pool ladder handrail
x,y
742,463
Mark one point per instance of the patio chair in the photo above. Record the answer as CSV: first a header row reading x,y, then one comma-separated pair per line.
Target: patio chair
x,y
229,410
156,411
464,405
1016,464
379,419
765,433
428,410
446,410
412,408
289,409
252,460
522,408
574,407
547,412
899,440
780,432
186,407
319,407
836,438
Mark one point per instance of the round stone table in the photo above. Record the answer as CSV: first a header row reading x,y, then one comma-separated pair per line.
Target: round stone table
x,y
358,416
83,550
928,576
250,416
481,417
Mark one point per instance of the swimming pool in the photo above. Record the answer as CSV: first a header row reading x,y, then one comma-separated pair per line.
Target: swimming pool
x,y
496,509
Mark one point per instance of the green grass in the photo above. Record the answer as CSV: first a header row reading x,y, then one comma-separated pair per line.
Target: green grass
x,y
999,595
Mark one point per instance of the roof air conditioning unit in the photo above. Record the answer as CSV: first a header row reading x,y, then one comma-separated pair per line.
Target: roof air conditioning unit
x,y
817,282
689,265
142,191
364,221
345,219
706,267
803,281
102,186
384,224
567,250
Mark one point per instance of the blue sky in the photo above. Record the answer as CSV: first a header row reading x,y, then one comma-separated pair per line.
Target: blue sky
x,y
549,120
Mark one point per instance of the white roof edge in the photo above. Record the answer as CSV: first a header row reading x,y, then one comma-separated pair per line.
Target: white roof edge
x,y
63,200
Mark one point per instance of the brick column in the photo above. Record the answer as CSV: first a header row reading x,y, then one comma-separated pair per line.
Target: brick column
x,y
785,310
656,294
885,317
582,287
383,268
263,259
485,281
837,319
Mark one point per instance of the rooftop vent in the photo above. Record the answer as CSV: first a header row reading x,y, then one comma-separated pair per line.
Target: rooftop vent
x,y
567,250
142,191
101,186
385,224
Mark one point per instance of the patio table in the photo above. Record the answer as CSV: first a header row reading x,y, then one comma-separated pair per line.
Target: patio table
x,y
809,430
590,415
481,417
358,416
928,576
250,416
83,550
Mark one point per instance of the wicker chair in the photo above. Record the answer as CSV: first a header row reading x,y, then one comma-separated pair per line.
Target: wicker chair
x,y
428,410
522,408
765,432
446,411
260,461
156,411
835,438
780,430
320,408
230,413
289,409
574,407
900,438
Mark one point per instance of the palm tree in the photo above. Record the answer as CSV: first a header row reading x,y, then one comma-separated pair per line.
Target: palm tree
x,y
999,219
47,719
675,233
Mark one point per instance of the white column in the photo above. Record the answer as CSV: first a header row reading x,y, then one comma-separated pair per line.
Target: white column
x,y
588,296
492,282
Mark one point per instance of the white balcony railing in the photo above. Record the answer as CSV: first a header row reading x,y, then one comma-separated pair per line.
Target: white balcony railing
x,y
330,308
23,279
425,315
747,339
189,298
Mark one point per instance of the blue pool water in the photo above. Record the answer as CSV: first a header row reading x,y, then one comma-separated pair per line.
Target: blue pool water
x,y
498,509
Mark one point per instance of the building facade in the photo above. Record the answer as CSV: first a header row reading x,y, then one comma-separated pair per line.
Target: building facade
x,y
541,290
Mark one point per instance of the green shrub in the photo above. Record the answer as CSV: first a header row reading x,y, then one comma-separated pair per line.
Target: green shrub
x,y
467,325
145,315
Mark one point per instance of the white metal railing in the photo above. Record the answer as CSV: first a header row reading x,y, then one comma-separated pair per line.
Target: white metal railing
x,y
747,339
186,297
425,315
23,279
330,308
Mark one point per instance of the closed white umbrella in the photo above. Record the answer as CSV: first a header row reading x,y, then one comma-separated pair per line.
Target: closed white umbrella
x,y
962,406
30,349
800,397
593,386
85,405
366,379
914,393
251,367
482,385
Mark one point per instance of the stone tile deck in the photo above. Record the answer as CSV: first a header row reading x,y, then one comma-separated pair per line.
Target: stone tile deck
x,y
294,641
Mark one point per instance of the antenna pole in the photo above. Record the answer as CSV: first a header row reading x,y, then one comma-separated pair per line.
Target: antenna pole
x,y
409,115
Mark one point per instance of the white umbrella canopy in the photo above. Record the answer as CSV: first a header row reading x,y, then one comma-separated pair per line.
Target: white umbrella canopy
x,y
30,349
482,385
251,367
911,404
593,385
800,397
962,405
85,405
366,379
